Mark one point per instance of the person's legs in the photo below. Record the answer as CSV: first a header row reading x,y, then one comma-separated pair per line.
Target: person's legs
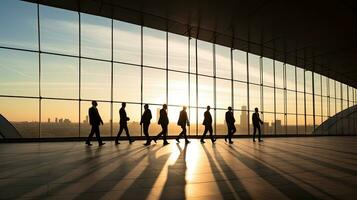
x,y
89,138
254,132
146,133
184,132
204,133
228,131
260,133
119,134
233,130
164,133
127,132
211,134
97,135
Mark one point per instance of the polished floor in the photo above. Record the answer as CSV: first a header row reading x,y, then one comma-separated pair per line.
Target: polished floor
x,y
278,168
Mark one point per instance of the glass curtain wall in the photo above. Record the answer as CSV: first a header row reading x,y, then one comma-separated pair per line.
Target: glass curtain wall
x,y
54,62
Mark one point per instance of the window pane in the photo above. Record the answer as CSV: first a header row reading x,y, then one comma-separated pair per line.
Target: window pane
x,y
193,55
332,107
324,81
178,88
59,118
300,103
59,76
280,124
268,99
19,73
223,61
59,30
344,92
240,96
290,77
254,68
268,119
291,124
279,101
338,90
126,42
104,112
154,44
21,30
239,65
178,52
338,105
223,93
309,104
291,102
95,80
193,121
318,105
324,106
279,74
221,126
126,83
308,81
268,72
205,57
205,91
133,111
300,79
254,97
301,124
332,88
241,122
154,86
96,36
193,99
173,113
309,124
317,84
350,95
22,114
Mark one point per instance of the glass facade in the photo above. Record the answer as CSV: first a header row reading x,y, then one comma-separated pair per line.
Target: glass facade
x,y
53,62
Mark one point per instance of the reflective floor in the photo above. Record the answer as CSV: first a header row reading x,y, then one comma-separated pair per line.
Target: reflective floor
x,y
278,168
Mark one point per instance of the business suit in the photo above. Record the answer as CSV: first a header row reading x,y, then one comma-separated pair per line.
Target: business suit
x,y
256,125
182,121
230,125
94,120
164,122
123,123
145,121
207,122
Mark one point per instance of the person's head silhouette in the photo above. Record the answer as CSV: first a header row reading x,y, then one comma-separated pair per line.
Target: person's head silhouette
x,y
208,107
184,107
123,104
164,106
146,106
256,110
230,108
94,103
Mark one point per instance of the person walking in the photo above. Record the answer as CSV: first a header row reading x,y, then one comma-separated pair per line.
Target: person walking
x,y
230,125
95,121
256,124
182,121
207,122
145,122
123,124
164,122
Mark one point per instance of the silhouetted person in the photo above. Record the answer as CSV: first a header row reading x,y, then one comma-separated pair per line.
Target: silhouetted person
x,y
207,122
94,120
256,124
182,121
164,122
123,123
230,125
145,121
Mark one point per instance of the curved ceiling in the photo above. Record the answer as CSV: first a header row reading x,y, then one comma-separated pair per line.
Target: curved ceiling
x,y
317,35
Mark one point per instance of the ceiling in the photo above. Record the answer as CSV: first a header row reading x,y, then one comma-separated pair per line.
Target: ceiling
x,y
319,35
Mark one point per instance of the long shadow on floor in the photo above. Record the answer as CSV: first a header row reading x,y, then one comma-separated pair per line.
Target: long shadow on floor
x,y
224,188
318,162
174,187
285,186
323,148
147,177
66,168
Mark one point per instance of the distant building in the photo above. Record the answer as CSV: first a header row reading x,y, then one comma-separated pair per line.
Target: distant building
x,y
66,121
56,120
49,120
60,120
